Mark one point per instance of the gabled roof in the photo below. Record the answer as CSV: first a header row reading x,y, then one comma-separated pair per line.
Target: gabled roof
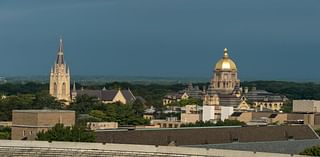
x,y
107,95
128,95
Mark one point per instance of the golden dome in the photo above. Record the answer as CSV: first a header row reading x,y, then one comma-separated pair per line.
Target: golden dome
x,y
226,63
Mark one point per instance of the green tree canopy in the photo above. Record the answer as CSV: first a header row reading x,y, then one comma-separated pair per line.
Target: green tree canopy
x,y
61,133
26,101
5,133
313,151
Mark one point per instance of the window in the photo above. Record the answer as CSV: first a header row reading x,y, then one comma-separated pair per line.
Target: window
x,y
64,88
55,89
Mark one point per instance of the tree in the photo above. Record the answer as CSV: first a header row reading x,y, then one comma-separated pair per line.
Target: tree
x,y
138,107
26,101
5,133
61,133
122,113
313,151
83,104
45,100
287,106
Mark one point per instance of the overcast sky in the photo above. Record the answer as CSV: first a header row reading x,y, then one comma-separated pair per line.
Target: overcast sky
x,y
268,39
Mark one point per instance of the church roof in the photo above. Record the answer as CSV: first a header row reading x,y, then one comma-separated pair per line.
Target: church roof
x,y
263,96
107,95
128,95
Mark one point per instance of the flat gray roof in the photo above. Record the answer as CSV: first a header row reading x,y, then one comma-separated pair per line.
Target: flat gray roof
x,y
285,147
42,111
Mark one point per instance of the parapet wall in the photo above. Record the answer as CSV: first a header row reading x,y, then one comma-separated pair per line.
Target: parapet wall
x,y
10,147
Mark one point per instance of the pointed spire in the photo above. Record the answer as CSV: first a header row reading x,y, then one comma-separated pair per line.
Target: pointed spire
x,y
60,58
225,53
61,45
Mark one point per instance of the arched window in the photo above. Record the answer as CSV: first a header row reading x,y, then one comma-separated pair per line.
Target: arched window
x,y
55,90
63,88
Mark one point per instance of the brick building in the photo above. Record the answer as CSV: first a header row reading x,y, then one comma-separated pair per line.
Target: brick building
x,y
27,123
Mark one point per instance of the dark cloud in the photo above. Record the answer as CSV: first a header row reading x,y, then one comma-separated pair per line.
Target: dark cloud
x,y
267,39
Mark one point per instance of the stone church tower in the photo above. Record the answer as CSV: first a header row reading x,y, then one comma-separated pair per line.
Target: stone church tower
x,y
60,77
225,78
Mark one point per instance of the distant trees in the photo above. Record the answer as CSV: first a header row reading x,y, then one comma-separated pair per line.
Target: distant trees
x,y
226,122
287,106
293,90
23,88
138,107
121,113
33,95
124,114
61,133
40,100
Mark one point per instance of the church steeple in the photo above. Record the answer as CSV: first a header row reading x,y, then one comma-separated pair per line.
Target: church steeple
x,y
60,57
60,77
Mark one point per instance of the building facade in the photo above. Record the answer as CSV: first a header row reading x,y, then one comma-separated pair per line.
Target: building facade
x,y
174,97
224,91
225,77
306,106
27,123
60,77
102,125
264,100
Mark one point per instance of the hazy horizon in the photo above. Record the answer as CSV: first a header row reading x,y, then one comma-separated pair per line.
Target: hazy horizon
x,y
268,40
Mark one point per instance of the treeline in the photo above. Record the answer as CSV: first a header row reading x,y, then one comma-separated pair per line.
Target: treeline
x,y
293,90
41,100
152,93
124,114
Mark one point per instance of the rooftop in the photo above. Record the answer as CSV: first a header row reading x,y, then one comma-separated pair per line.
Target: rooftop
x,y
200,136
285,147
43,111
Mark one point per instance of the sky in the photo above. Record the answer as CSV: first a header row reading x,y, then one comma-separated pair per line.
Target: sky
x,y
268,39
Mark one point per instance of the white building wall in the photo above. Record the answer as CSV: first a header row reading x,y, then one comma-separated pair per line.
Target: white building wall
x,y
226,111
208,113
